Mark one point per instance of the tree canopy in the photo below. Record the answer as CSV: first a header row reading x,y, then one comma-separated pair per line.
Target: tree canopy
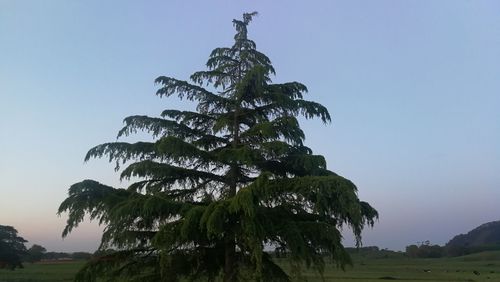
x,y
12,248
35,253
220,185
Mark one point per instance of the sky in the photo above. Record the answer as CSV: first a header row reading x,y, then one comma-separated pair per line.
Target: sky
x,y
412,87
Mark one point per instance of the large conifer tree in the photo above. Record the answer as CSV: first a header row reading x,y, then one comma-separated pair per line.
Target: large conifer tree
x,y
222,184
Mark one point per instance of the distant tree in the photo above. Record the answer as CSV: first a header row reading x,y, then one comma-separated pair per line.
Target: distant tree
x,y
12,248
431,251
220,183
81,255
425,250
56,255
35,253
412,251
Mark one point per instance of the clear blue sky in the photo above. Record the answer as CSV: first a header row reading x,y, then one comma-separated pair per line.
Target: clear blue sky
x,y
413,88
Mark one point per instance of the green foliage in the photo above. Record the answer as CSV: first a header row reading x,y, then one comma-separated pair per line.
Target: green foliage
x,y
425,250
220,185
372,252
12,248
486,237
35,253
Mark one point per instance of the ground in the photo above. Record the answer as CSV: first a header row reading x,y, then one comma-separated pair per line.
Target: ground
x,y
46,272
485,265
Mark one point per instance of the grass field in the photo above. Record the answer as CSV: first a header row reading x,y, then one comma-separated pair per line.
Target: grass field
x,y
365,269
403,269
46,272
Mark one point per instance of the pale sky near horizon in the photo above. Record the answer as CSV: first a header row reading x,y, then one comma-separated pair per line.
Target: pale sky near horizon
x,y
412,86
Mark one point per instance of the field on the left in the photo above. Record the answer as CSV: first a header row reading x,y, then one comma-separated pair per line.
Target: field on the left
x,y
42,272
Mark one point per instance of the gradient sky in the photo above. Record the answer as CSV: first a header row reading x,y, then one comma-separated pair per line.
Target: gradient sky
x,y
413,88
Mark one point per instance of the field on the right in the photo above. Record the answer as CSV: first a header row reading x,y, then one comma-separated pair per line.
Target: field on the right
x,y
478,267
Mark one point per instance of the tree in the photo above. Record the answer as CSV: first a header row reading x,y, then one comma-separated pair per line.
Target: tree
x,y
35,253
11,248
221,183
425,250
412,251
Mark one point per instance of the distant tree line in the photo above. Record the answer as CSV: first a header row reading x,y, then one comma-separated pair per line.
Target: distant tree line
x,y
62,255
373,252
13,251
427,250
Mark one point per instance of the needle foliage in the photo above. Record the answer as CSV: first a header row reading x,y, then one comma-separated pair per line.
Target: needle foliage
x,y
220,186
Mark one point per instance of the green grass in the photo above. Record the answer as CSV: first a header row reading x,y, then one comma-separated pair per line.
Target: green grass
x,y
56,272
488,255
412,270
396,268
364,270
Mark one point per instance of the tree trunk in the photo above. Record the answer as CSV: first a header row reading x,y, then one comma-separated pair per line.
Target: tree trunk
x,y
229,258
229,238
